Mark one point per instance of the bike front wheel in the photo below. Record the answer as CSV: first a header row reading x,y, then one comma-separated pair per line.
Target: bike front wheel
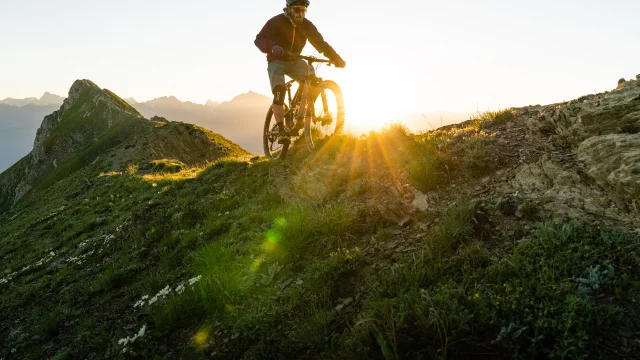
x,y
326,118
272,149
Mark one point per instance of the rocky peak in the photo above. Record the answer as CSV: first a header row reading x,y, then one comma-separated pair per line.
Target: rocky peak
x,y
210,103
246,100
86,101
85,117
51,99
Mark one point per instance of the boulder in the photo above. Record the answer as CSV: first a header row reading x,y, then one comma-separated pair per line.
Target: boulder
x,y
614,162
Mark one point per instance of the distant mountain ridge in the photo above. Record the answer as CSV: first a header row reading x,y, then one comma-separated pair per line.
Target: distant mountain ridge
x,y
240,119
46,99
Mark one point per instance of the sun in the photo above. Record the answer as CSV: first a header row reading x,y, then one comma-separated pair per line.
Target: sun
x,y
363,114
367,107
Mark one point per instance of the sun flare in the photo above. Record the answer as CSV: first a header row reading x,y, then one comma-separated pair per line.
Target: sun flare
x,y
367,106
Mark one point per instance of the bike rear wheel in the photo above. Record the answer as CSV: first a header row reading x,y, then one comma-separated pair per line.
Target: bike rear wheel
x,y
272,149
326,107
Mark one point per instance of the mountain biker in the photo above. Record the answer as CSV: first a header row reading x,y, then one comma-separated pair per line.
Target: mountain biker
x,y
282,36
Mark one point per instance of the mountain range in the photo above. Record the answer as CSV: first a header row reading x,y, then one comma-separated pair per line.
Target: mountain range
x,y
46,99
240,119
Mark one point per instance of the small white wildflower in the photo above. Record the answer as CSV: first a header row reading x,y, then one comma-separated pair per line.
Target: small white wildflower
x,y
130,339
164,292
142,331
194,280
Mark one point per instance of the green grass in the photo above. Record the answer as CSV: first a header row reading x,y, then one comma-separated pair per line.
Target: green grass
x,y
288,265
554,296
489,119
165,166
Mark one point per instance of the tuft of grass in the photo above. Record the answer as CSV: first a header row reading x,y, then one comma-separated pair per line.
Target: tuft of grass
x,y
477,158
165,166
300,232
47,322
113,277
489,119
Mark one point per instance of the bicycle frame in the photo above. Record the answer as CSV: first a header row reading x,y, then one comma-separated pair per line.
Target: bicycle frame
x,y
302,91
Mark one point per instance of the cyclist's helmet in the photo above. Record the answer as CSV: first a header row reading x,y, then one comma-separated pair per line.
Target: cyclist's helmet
x,y
291,3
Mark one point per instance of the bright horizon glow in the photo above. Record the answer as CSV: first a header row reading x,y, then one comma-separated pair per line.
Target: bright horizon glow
x,y
415,56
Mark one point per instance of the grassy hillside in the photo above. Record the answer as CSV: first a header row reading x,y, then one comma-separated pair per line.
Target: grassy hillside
x,y
386,246
95,126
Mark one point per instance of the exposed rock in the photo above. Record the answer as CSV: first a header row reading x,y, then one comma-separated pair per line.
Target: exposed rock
x,y
590,156
621,82
420,200
613,161
567,124
394,213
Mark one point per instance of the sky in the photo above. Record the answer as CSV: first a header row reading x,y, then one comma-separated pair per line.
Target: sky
x,y
414,55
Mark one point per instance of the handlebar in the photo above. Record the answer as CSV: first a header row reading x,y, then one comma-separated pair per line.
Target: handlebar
x,y
310,59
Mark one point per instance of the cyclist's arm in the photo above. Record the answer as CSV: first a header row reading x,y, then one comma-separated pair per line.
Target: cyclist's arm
x,y
264,39
318,42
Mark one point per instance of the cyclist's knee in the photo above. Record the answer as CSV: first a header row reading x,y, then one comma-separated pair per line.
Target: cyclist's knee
x,y
279,92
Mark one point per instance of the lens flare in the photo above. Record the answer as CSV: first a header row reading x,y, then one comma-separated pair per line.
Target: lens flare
x,y
274,236
201,336
269,246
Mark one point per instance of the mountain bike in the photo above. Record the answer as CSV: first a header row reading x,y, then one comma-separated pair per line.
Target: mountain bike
x,y
323,113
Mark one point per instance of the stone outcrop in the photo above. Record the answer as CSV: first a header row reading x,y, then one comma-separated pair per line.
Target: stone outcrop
x,y
614,162
590,166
